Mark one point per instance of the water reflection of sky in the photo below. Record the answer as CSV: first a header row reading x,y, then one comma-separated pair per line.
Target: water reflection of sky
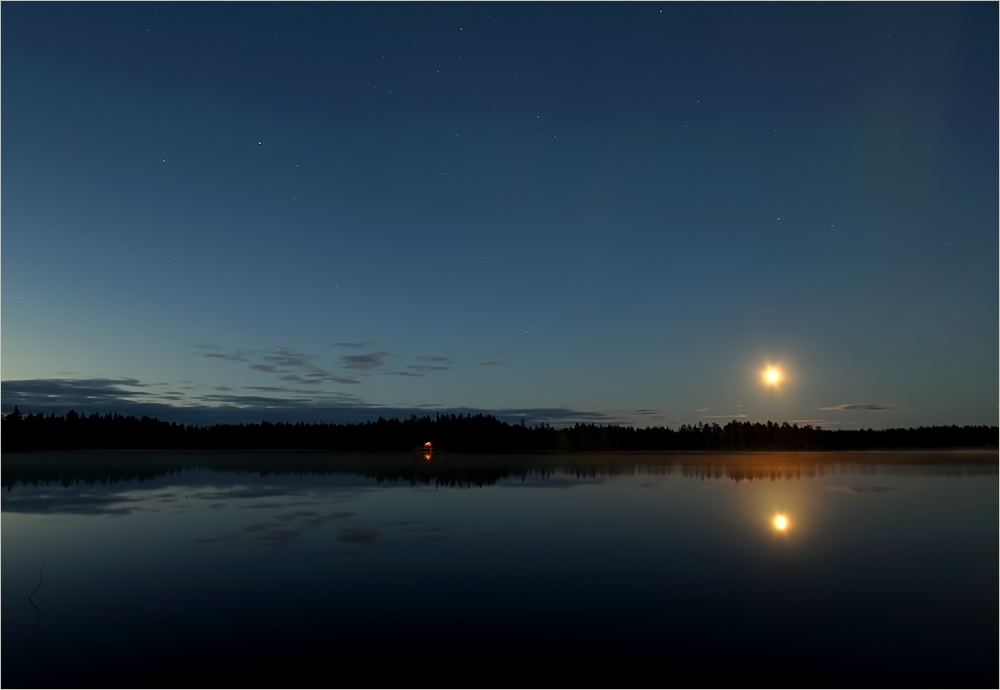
x,y
668,552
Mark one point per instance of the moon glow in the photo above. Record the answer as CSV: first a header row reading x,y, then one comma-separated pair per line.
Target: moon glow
x,y
772,376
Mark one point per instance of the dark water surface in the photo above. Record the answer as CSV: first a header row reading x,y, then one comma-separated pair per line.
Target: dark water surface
x,y
287,569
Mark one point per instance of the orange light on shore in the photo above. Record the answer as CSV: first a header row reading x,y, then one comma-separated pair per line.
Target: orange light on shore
x,y
428,445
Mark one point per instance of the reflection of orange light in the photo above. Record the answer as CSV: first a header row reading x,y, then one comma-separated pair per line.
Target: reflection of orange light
x,y
427,445
427,456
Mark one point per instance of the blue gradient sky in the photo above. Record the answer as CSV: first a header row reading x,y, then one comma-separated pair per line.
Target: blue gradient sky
x,y
604,212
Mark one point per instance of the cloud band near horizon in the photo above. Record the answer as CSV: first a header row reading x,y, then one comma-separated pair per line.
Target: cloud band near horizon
x,y
129,396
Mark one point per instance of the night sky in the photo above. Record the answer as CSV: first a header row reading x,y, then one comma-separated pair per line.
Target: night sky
x,y
563,212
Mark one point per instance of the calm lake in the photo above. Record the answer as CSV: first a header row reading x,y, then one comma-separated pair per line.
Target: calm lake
x,y
298,568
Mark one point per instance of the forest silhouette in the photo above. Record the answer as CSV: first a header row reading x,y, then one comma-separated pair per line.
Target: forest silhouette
x,y
471,433
460,470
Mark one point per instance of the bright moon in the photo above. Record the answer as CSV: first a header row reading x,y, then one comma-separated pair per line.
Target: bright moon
x,y
772,375
781,522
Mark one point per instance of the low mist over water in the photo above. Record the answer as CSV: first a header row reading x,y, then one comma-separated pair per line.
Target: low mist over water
x,y
263,568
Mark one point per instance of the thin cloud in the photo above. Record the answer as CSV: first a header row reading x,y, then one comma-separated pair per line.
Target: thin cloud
x,y
363,343
555,416
218,405
365,362
856,406
235,357
97,387
86,395
723,416
425,369
435,363
285,358
215,352
491,363
286,363
277,397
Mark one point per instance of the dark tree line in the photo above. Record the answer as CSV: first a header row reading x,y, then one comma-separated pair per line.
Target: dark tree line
x,y
463,433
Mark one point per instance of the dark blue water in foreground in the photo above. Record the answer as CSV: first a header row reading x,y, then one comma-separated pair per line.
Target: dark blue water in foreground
x,y
290,569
